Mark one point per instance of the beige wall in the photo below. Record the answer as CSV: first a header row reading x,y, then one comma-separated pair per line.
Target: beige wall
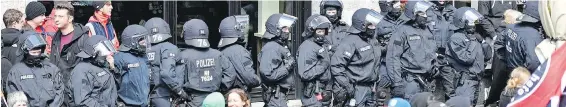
x,y
350,6
12,4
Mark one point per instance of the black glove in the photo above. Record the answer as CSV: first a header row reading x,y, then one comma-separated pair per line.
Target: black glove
x,y
326,96
182,94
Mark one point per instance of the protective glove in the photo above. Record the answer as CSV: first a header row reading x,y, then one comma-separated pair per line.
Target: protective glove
x,y
182,94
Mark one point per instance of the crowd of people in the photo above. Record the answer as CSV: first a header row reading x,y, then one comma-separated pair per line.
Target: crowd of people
x,y
402,56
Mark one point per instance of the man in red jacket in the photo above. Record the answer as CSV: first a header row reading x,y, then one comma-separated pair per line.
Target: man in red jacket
x,y
99,23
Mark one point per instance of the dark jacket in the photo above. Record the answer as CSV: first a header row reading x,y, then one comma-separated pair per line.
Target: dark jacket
x,y
506,95
521,41
134,81
242,75
42,85
11,50
92,86
162,64
66,58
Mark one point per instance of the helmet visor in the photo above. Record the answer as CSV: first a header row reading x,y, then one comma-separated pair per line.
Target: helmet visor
x,y
34,41
243,23
472,17
373,18
104,48
320,22
286,21
421,6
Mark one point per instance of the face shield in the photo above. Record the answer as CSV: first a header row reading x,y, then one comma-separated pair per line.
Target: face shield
x,y
285,23
243,22
373,18
421,7
320,22
104,48
471,17
34,41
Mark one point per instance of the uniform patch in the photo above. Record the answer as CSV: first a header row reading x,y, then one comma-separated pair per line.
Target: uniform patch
x,y
348,54
249,62
133,65
308,62
101,74
512,34
365,48
414,37
23,77
398,43
151,56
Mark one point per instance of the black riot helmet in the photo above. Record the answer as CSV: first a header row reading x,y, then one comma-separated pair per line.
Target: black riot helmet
x,y
233,29
96,46
195,33
335,4
362,18
414,8
32,40
96,49
530,13
315,22
275,25
466,16
134,39
159,30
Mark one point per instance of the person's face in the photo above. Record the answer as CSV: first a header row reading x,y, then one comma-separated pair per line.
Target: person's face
x,y
143,42
20,23
371,26
285,29
35,52
39,19
234,100
320,31
331,11
62,18
107,8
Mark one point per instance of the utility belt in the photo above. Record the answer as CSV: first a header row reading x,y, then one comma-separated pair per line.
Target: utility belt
x,y
420,78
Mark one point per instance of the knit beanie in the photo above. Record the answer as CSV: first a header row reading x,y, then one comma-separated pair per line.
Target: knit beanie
x,y
99,4
214,99
34,9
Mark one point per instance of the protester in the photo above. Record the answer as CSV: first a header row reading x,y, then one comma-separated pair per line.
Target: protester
x,y
14,21
518,77
237,98
100,23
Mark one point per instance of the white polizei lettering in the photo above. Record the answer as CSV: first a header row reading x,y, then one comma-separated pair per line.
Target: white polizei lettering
x,y
205,63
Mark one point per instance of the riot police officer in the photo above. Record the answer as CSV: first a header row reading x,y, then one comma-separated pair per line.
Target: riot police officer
x,y
232,32
132,67
441,16
410,52
161,58
92,82
275,60
314,62
204,66
523,37
465,53
355,63
332,9
39,79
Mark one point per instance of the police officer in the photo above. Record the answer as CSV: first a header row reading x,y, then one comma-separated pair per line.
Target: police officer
x,y
275,60
355,63
410,52
204,66
161,57
39,79
465,53
332,9
232,31
314,62
523,37
92,82
132,67
441,16
384,31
